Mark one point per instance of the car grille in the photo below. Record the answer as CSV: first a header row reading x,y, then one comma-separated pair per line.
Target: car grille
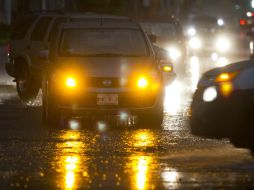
x,y
110,82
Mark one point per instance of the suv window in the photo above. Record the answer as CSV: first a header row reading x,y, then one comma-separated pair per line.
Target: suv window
x,y
40,29
21,27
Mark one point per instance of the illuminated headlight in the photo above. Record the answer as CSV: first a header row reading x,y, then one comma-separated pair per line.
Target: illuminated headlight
x,y
195,43
149,82
210,94
142,82
174,53
70,82
220,22
223,44
191,31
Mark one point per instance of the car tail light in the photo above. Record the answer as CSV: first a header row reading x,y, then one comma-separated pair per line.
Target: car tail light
x,y
243,22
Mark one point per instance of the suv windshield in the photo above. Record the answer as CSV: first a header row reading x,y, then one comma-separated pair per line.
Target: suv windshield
x,y
103,42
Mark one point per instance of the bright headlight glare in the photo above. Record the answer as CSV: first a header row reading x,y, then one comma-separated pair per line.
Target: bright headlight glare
x,y
142,82
210,94
174,53
191,31
195,43
223,44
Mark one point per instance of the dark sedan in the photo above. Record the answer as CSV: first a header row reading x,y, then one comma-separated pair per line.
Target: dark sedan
x,y
223,104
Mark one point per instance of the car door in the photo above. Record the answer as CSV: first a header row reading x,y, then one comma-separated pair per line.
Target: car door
x,y
39,42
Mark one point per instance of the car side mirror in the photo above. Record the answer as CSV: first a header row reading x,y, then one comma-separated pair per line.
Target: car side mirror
x,y
43,54
152,38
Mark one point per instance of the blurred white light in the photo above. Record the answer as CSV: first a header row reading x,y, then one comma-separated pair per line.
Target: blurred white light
x,y
102,127
223,62
191,31
174,53
74,124
220,22
223,44
195,43
252,3
170,176
214,56
249,14
210,94
123,116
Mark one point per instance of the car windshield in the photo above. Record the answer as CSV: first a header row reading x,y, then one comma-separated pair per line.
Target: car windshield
x,y
206,25
103,42
165,30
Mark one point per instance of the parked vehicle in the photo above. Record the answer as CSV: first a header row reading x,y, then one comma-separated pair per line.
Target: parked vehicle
x,y
104,66
223,103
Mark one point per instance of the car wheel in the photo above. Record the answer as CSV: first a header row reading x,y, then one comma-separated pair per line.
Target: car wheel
x,y
27,87
50,113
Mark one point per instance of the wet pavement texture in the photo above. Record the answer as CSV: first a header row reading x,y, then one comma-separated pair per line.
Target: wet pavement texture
x,y
118,157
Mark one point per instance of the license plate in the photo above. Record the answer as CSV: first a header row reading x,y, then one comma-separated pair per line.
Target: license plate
x,y
107,99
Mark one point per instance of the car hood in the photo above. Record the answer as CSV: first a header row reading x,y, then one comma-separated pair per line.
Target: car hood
x,y
107,66
208,78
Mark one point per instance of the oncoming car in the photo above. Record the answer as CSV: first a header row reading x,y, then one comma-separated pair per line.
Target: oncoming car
x,y
208,40
104,67
223,104
169,36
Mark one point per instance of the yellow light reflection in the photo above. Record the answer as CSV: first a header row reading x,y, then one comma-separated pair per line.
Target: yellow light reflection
x,y
69,161
144,138
142,169
69,180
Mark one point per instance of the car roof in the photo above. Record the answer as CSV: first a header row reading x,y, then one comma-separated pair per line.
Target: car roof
x,y
74,15
102,22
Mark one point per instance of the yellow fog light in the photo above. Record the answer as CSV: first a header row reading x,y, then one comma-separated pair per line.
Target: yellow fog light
x,y
142,82
167,68
226,88
71,82
225,77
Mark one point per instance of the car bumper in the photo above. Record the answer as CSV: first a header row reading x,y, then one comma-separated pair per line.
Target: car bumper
x,y
127,103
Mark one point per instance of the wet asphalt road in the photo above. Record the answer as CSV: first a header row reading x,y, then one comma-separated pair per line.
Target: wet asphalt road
x,y
121,157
